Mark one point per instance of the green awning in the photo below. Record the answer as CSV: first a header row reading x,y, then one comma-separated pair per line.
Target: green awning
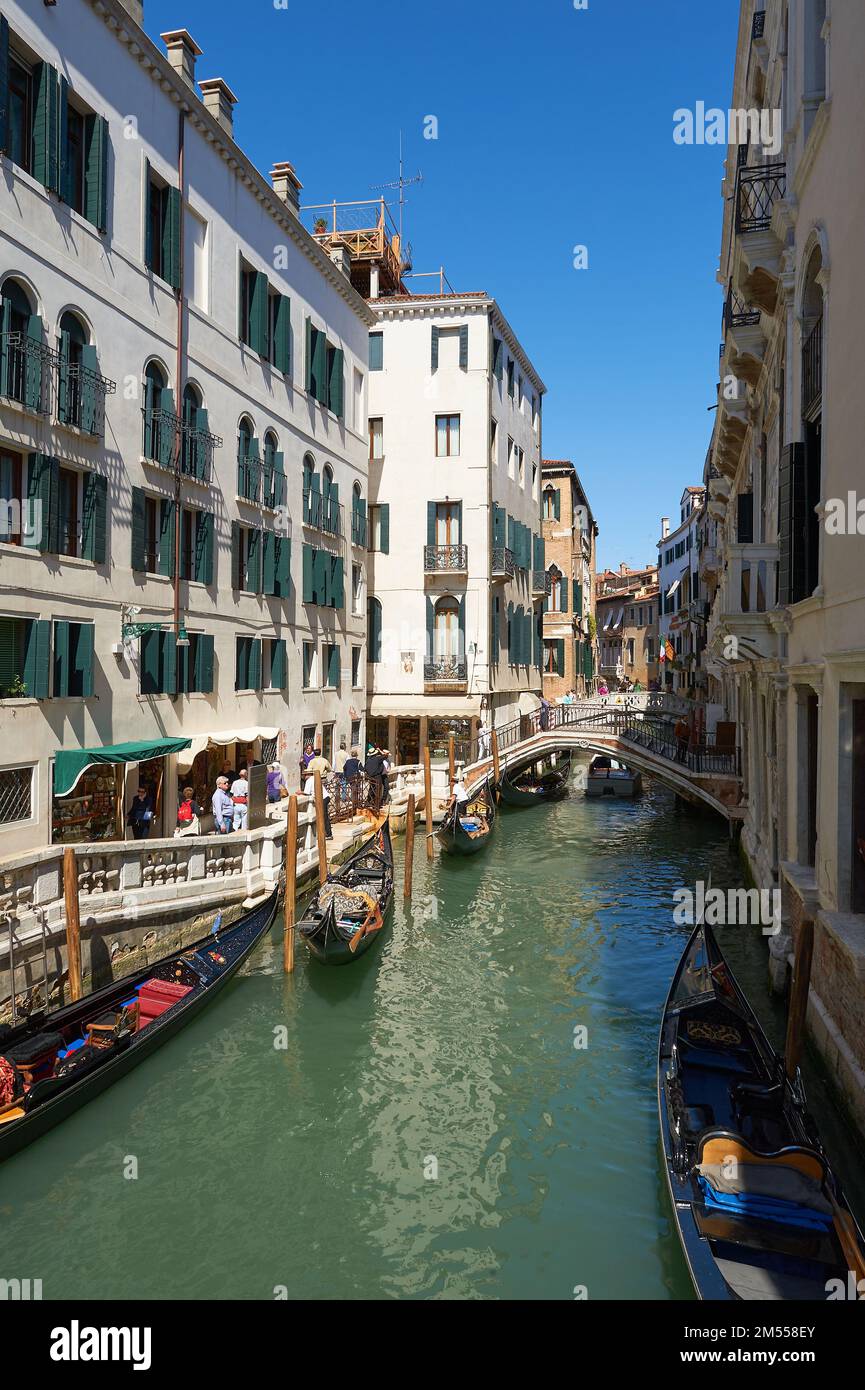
x,y
70,763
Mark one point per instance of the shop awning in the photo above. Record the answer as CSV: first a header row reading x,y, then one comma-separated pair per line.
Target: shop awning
x,y
199,742
69,763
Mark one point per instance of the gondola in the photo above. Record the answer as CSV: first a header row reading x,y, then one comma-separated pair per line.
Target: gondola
x,y
609,777
348,913
468,825
759,1211
57,1061
526,787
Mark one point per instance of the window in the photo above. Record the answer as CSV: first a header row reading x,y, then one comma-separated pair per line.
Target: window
x,y
248,462
449,347
447,436
323,578
309,671
331,666
16,794
357,590
552,504
68,511
379,527
447,636
355,734
247,674
325,370
246,544
554,656
162,246
276,658
24,658
75,164
158,663
630,651
80,401
12,500
521,466
494,443
20,133
73,659
195,259
447,523
195,665
556,591
356,654
376,438
273,480
510,457
511,378
160,429
376,352
21,372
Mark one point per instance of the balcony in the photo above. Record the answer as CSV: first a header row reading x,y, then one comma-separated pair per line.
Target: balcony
x,y
744,342
542,583
249,480
163,432
368,234
81,396
446,675
746,605
322,512
761,225
196,452
709,563
445,559
27,367
758,191
503,563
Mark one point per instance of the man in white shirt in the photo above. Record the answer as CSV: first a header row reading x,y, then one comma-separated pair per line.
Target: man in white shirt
x,y
240,797
309,790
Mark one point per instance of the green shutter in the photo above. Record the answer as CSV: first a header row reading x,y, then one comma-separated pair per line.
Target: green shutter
x,y
384,528
95,512
37,659
64,408
278,665
87,388
376,352
434,349
430,523
139,529
43,490
167,429
373,613
33,365
82,664
563,590
241,663
171,239
430,629
202,676
96,172
337,383
4,83
282,334
578,598
235,556
557,504
462,625
319,366
494,644
333,667
258,312
148,199
499,526
149,653
560,655
338,583
46,125
308,562
309,331
254,665
167,543
168,644
464,346
269,563
61,659
282,567
322,577
252,578
64,168
204,533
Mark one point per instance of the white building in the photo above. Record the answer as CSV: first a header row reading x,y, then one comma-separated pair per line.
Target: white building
x,y
184,391
679,618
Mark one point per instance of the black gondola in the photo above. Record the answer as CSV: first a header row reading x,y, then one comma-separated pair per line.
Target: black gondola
x,y
58,1061
347,914
468,825
759,1212
527,786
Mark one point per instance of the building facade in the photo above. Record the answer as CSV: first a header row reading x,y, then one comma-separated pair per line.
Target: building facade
x,y
681,623
786,652
570,537
626,606
182,422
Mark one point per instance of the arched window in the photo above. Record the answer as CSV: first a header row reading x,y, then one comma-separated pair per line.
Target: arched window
x,y
556,590
193,455
446,630
311,492
358,517
159,430
248,463
21,363
801,580
80,388
373,618
329,502
274,472
552,504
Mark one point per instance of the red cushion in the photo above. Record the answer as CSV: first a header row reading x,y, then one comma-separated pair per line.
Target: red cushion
x,y
163,989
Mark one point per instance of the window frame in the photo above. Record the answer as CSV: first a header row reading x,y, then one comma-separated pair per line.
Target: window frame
x,y
449,417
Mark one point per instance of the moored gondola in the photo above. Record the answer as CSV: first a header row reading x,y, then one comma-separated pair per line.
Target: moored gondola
x,y
349,911
531,785
55,1062
468,825
759,1211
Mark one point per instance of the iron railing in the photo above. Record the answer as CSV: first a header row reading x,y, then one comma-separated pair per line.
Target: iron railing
x,y
737,313
28,365
542,582
162,431
249,479
81,396
322,512
812,368
358,529
450,558
503,563
446,670
196,452
759,189
274,489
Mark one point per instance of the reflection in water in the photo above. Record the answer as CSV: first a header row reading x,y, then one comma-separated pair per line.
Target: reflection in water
x,y
419,1124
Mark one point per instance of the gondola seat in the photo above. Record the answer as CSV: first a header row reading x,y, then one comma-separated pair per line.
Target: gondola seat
x,y
785,1186
34,1057
155,997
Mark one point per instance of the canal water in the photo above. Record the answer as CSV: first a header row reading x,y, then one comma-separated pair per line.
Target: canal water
x,y
420,1124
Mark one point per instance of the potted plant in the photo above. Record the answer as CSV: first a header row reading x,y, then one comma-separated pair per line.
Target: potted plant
x,y
320,226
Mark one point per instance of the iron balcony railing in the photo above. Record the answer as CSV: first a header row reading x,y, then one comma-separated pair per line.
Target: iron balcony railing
x,y
812,368
163,431
81,396
322,512
503,563
274,489
27,366
737,313
445,557
542,582
196,452
358,529
249,479
446,670
759,189
758,25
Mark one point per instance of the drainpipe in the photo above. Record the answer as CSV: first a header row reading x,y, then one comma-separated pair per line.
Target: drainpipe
x,y
179,378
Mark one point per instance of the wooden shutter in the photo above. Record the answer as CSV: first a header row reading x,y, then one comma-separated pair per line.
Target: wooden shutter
x,y
95,511
4,83
282,334
308,355
308,562
560,655
46,125
338,583
167,528
139,529
496,617
557,504
83,657
202,677
430,629
258,307
236,576
563,590
33,369
252,581
434,349
430,523
204,534
96,172
268,583
792,525
254,664
499,525
171,239
37,653
373,610
745,518
64,169
578,597
167,437
464,347
384,528
336,390
87,387
282,566
318,364
462,625
43,489
61,659
150,650
322,579
278,664
459,523
333,667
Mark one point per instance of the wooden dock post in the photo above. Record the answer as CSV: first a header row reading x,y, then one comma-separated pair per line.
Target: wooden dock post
x,y
451,763
427,783
320,833
290,884
73,922
497,771
799,987
409,845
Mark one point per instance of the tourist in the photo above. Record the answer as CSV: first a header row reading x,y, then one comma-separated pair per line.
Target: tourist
x,y
309,790
228,771
680,731
341,757
240,799
484,739
318,763
352,767
308,754
189,814
222,806
140,816
545,714
602,688
276,788
375,770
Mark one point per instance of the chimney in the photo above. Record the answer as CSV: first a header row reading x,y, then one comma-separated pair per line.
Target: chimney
x,y
341,259
220,101
374,286
286,185
182,52
665,527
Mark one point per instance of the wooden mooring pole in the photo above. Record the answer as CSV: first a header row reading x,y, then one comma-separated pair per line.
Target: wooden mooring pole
x,y
451,763
497,771
320,832
428,811
73,922
290,884
409,845
799,986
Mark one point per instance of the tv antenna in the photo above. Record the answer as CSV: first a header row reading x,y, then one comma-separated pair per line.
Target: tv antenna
x,y
401,183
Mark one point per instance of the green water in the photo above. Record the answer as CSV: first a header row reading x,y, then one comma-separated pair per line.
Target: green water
x,y
449,1049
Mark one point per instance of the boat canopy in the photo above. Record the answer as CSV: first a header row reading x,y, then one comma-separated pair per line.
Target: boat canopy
x,y
69,763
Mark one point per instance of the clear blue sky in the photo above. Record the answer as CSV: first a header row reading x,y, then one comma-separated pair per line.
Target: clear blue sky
x,y
555,129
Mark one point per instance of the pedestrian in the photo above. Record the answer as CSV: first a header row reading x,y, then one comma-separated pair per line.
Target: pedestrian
x,y
240,798
228,771
484,739
545,714
140,816
374,769
276,788
341,757
680,731
352,767
308,754
188,814
309,790
222,806
318,763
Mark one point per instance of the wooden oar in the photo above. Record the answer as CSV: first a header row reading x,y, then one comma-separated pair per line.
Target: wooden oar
x,y
365,929
845,1229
